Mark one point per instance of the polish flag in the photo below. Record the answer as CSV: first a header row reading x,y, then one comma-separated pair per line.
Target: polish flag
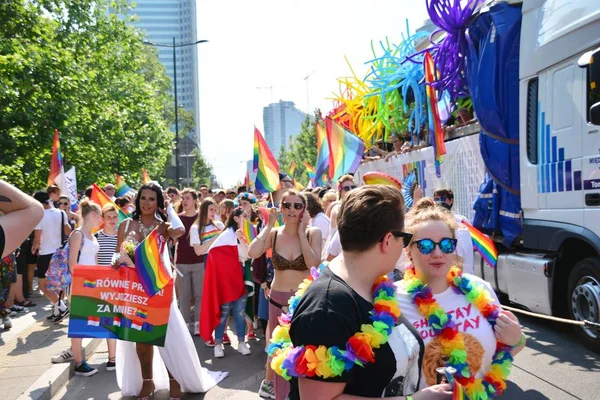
x,y
117,321
94,321
222,261
136,325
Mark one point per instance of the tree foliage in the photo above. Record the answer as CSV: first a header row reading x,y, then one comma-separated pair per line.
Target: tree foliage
x,y
303,148
71,65
202,172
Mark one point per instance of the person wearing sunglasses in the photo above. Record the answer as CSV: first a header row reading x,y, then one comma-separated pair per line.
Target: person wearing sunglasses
x,y
64,204
432,255
295,249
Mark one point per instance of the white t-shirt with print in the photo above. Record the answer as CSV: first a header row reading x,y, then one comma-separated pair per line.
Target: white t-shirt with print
x,y
468,319
50,225
210,229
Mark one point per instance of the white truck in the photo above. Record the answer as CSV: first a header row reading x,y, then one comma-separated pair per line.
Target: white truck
x,y
540,154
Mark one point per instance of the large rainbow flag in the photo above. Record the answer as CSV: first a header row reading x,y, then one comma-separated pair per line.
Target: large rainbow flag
x,y
265,165
121,187
98,196
322,165
436,131
149,266
56,163
345,150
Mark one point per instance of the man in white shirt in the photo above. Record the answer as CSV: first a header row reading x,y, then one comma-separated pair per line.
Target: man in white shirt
x,y
48,236
464,248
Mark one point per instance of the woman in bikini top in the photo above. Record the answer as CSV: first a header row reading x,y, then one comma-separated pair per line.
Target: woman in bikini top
x,y
281,263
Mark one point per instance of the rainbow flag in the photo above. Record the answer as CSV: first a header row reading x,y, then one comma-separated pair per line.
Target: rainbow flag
x,y
142,314
264,212
89,284
292,169
322,166
311,171
149,264
345,150
249,231
98,196
121,186
483,244
265,165
145,177
56,163
436,131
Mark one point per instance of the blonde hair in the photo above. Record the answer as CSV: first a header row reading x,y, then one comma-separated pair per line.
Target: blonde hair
x,y
330,195
88,206
108,208
426,210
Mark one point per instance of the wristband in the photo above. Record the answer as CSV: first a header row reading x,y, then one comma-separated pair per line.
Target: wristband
x,y
408,397
520,343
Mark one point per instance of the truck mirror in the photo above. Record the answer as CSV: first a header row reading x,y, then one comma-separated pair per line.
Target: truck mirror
x,y
595,114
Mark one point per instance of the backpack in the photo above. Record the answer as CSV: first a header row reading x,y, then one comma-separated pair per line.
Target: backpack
x,y
58,276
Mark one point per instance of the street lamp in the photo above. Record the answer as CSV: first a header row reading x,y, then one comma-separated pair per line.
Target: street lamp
x,y
175,46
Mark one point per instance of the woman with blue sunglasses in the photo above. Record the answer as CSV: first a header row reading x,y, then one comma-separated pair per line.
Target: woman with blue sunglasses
x,y
452,311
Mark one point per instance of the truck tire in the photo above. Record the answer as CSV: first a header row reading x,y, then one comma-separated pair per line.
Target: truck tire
x,y
583,299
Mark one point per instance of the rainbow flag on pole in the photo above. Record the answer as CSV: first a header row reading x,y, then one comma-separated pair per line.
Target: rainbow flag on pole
x,y
265,165
98,196
249,231
345,150
322,165
436,131
56,163
311,171
149,264
121,187
292,169
145,177
483,244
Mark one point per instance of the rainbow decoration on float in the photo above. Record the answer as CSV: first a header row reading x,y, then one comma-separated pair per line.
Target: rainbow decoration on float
x,y
265,165
380,178
56,163
149,266
436,131
345,150
483,244
121,187
249,231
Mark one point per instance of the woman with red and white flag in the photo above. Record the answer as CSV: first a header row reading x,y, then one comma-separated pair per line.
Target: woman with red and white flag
x,y
224,287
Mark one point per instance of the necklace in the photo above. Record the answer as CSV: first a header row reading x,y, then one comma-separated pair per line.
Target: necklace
x,y
452,341
144,230
307,361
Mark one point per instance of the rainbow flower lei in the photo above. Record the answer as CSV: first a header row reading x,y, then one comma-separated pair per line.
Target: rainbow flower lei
x,y
307,361
452,341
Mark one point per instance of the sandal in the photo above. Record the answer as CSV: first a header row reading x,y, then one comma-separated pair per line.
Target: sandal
x,y
180,392
149,396
25,303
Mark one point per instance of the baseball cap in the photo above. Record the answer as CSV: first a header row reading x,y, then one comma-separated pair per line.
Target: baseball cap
x,y
42,196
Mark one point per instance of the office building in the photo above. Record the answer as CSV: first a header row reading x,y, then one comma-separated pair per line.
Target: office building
x,y
282,121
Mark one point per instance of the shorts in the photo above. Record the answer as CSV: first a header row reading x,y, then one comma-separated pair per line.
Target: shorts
x,y
42,265
26,250
22,262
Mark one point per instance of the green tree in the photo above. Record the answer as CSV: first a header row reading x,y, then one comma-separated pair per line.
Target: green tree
x,y
72,66
202,173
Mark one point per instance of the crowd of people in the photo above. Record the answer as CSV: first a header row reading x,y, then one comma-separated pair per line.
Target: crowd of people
x,y
357,239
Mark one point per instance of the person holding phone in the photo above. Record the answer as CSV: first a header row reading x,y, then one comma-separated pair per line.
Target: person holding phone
x,y
296,248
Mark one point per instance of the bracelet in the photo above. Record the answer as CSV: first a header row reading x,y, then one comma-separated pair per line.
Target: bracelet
x,y
408,397
521,342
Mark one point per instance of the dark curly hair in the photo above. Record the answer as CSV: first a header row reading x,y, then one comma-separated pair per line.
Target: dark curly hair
x,y
160,202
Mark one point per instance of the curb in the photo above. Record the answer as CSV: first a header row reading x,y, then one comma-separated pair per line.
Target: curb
x,y
47,385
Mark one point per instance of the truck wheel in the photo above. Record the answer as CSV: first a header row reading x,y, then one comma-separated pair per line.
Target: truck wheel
x,y
584,299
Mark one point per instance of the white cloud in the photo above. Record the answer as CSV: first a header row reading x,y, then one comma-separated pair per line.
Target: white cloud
x,y
277,43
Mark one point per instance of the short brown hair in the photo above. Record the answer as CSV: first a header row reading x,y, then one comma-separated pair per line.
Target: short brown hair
x,y
367,214
294,192
447,193
191,192
313,205
53,189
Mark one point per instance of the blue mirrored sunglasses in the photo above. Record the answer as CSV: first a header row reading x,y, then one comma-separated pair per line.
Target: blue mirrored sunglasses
x,y
426,246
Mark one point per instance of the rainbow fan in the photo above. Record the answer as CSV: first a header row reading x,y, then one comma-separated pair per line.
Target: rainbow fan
x,y
380,178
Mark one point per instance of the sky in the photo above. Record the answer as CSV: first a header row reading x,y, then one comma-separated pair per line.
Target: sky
x,y
277,43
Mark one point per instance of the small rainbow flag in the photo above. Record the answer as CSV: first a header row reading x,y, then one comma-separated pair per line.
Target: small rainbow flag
x,y
145,177
249,231
322,166
142,313
121,186
436,131
483,244
345,150
56,163
149,264
311,171
292,169
89,284
264,212
380,178
265,165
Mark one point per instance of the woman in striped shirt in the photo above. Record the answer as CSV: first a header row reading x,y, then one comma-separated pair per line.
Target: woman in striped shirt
x,y
107,239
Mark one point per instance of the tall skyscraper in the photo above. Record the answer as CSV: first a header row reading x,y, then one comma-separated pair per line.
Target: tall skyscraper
x,y
163,20
281,121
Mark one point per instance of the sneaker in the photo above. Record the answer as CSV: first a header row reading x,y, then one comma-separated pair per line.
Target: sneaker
x,y
52,317
61,315
252,336
244,349
17,308
63,357
219,352
266,390
7,322
210,343
12,313
84,369
226,339
111,366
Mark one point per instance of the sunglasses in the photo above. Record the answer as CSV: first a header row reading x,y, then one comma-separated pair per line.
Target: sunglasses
x,y
406,237
62,203
348,188
427,246
288,206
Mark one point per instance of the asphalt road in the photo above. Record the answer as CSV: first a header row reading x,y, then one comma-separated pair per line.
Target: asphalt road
x,y
552,366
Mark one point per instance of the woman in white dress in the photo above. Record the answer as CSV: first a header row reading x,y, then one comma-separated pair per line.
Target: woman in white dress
x,y
140,369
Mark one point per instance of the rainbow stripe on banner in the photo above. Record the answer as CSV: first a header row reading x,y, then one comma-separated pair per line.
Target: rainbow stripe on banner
x,y
436,131
483,244
149,264
142,314
89,284
345,150
265,165
249,231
